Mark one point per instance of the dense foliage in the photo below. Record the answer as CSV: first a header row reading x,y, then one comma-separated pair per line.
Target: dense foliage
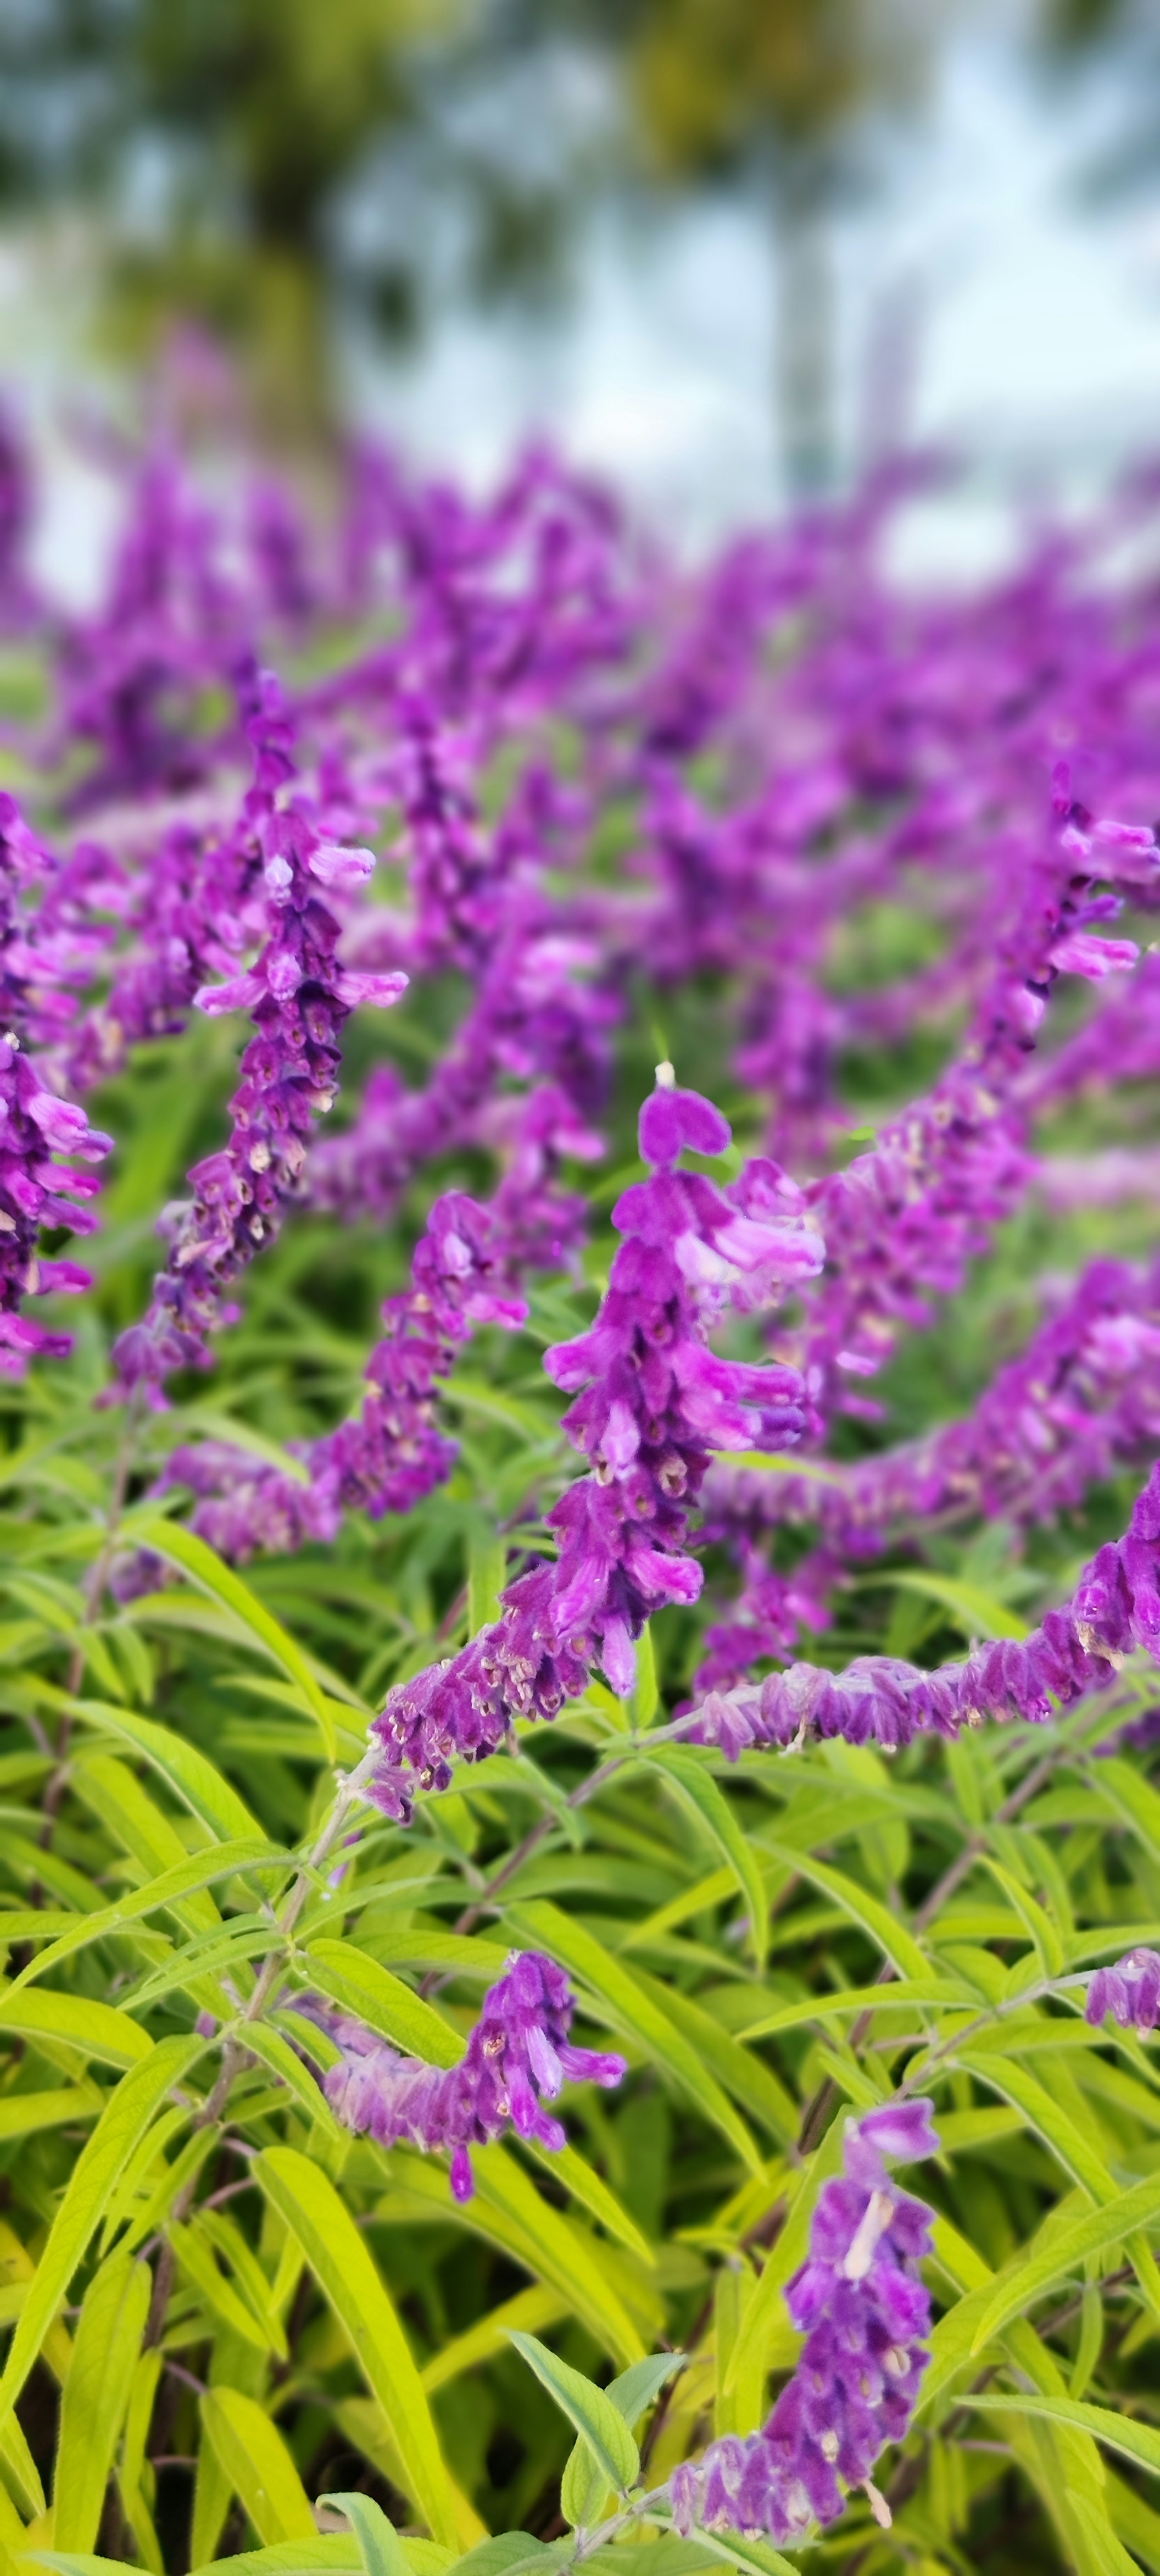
x,y
493,1892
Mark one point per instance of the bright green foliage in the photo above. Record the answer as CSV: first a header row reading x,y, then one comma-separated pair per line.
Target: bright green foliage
x,y
229,2324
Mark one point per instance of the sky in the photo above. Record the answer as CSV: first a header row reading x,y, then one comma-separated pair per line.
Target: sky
x,y
1032,323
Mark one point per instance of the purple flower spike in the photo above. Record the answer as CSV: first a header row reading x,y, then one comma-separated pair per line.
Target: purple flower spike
x,y
652,1404
300,997
1129,1992
862,2302
518,2050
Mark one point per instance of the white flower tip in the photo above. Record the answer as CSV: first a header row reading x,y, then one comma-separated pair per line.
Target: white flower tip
x,y
666,1078
878,2504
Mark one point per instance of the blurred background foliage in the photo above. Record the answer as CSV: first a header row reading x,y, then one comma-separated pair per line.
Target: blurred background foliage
x,y
272,167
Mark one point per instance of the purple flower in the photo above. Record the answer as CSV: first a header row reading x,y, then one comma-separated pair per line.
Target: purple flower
x,y
862,2303
518,2053
652,1403
880,1700
466,1272
299,996
1129,1992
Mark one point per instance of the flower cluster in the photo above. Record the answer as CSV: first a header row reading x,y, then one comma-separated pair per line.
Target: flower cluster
x,y
862,2303
299,995
656,1403
1129,1992
519,2054
466,1272
37,1189
1080,1401
878,1699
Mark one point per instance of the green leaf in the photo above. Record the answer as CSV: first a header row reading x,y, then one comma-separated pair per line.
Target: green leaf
x,y
583,2487
632,2011
880,1926
551,2246
201,1869
267,2044
646,1696
567,2166
195,2261
93,2180
96,2396
699,1792
507,2209
189,1772
1125,2433
529,2309
380,2547
766,2306
486,1572
1047,2116
753,2557
1064,2252
182,1547
97,2030
975,1611
598,2422
22,2112
350,1978
255,2459
341,2260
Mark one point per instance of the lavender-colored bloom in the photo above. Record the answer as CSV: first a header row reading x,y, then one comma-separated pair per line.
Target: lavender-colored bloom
x,y
299,996
880,1700
1082,1400
905,1218
37,1188
1130,1992
652,1403
862,2301
467,1271
885,1701
519,2052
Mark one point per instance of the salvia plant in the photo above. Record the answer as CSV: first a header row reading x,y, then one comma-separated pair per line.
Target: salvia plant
x,y
580,1373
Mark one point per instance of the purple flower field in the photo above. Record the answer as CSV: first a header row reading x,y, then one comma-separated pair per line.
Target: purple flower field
x,y
581,1541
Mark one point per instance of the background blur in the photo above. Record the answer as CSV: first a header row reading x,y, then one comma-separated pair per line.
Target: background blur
x,y
727,250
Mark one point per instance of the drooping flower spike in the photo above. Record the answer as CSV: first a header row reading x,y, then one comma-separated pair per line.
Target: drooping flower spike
x,y
865,2309
519,2054
879,1699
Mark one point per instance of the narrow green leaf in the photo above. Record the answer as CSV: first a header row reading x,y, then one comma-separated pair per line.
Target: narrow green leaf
x,y
587,2408
880,1926
195,2261
201,1869
182,1547
98,2030
357,1982
258,2465
486,1570
1125,2433
94,2177
646,1696
193,1777
1064,2252
380,2547
341,2260
700,1793
975,1611
568,2166
529,2309
96,2396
